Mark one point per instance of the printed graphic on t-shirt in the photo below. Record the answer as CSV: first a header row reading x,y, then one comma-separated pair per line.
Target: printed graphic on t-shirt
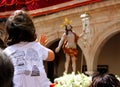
x,y
26,62
33,56
19,61
35,71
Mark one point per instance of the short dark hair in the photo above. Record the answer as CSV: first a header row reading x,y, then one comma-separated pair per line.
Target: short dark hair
x,y
105,80
6,71
20,27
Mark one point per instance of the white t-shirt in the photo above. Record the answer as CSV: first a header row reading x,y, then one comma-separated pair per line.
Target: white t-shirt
x,y
27,58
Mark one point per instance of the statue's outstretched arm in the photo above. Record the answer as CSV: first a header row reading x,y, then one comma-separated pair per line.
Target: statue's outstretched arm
x,y
60,43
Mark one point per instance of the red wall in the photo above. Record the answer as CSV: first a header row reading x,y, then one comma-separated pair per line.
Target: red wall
x,y
7,5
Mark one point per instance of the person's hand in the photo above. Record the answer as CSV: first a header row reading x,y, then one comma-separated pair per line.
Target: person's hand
x,y
57,50
43,39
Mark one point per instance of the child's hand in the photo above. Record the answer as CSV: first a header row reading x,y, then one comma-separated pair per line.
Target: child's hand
x,y
43,39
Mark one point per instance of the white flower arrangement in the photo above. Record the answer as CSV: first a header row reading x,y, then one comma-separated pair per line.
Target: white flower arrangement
x,y
73,80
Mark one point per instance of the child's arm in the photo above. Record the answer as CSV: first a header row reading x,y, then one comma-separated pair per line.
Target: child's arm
x,y
51,55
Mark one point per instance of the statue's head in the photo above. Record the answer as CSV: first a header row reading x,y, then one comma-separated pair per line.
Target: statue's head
x,y
68,27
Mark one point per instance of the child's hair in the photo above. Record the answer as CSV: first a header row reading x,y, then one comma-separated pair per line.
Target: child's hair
x,y
6,71
19,27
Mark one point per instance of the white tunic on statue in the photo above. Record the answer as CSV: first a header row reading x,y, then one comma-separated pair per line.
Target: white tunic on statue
x,y
27,58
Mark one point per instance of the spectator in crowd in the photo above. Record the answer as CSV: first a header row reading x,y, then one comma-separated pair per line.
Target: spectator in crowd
x,y
6,71
105,80
26,53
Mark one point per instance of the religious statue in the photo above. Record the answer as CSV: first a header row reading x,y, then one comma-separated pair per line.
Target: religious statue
x,y
68,42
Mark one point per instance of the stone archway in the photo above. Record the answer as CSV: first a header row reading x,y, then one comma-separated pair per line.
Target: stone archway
x,y
104,37
109,55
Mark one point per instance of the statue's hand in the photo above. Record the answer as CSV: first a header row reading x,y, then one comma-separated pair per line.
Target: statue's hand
x,y
57,50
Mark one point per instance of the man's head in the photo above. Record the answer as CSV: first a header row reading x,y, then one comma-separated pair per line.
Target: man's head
x,y
6,71
105,80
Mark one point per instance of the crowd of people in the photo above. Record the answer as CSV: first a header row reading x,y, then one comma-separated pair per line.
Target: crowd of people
x,y
21,61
